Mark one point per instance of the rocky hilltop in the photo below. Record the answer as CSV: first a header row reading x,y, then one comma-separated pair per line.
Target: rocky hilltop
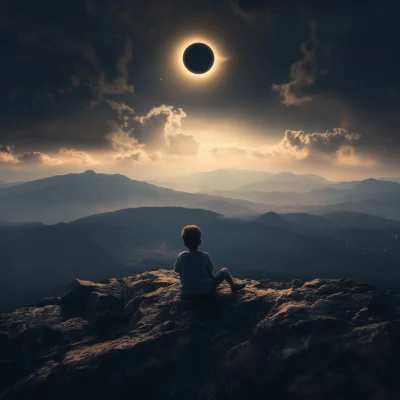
x,y
138,338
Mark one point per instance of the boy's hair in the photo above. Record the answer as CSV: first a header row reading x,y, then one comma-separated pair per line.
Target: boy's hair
x,y
191,235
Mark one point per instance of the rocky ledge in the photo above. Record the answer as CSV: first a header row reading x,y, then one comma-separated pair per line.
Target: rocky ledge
x,y
137,337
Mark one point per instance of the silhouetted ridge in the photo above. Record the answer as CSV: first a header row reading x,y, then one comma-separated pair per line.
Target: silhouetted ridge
x,y
137,337
375,184
272,219
40,259
346,219
309,221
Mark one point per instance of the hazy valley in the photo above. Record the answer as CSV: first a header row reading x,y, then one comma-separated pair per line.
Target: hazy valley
x,y
332,242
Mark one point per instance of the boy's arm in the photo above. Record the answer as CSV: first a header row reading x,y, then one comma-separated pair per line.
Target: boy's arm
x,y
210,266
177,264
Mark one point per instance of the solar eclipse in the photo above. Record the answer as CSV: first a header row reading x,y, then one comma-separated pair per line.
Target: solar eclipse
x,y
198,58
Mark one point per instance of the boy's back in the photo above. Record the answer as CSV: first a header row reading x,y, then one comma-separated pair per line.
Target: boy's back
x,y
195,267
195,271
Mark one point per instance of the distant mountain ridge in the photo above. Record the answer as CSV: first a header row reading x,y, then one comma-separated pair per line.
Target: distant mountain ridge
x,y
371,196
391,179
327,222
287,182
68,197
4,184
242,179
224,179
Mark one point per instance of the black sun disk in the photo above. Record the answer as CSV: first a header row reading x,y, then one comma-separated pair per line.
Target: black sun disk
x,y
198,58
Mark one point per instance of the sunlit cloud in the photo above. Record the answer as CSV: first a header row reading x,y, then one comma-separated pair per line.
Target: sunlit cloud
x,y
37,157
338,146
157,141
125,146
153,134
74,155
172,118
325,142
121,108
7,155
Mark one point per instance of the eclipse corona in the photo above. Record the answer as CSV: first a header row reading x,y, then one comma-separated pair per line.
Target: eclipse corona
x,y
198,58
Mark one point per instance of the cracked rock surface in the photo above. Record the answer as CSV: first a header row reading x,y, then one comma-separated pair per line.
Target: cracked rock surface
x,y
138,337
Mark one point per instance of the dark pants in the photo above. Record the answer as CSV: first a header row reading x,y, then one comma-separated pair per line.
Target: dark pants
x,y
217,279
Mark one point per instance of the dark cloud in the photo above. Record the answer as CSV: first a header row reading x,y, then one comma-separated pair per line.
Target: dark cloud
x,y
74,73
73,46
254,6
98,81
260,14
303,73
59,58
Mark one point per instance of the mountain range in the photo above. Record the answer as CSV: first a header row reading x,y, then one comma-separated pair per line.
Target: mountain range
x,y
349,229
371,196
225,179
38,260
65,198
243,180
287,181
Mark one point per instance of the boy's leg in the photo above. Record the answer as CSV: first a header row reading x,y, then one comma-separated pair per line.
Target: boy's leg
x,y
225,275
228,277
217,279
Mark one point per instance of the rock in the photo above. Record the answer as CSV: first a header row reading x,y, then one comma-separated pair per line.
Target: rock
x,y
49,301
138,337
84,298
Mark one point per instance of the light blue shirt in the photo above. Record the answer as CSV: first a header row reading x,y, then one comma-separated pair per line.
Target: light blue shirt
x,y
195,270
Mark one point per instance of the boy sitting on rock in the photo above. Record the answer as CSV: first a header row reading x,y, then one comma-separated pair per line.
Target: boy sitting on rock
x,y
195,267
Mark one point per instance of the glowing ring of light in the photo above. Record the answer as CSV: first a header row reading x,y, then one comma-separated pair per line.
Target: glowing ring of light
x,y
193,63
212,73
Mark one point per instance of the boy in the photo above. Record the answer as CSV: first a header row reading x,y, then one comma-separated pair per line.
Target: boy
x,y
195,267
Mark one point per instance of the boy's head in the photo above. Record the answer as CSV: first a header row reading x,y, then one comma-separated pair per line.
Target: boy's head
x,y
191,236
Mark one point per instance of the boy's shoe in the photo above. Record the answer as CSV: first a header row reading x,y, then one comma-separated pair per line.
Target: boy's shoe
x,y
238,286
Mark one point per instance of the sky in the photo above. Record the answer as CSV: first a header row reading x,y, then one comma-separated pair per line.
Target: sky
x,y
302,86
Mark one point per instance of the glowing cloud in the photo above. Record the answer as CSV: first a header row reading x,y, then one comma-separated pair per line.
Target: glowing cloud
x,y
73,155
